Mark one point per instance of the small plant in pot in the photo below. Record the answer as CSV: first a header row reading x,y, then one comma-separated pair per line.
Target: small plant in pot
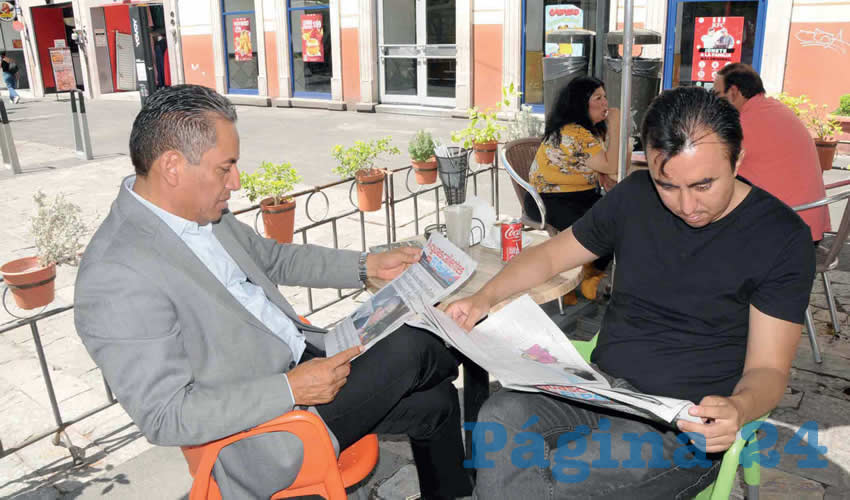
x,y
482,134
58,230
826,131
271,183
358,161
421,149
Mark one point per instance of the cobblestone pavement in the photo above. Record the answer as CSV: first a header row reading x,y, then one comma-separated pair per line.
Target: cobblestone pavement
x,y
119,463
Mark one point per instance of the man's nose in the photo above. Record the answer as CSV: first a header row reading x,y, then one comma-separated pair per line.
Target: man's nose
x,y
234,183
687,202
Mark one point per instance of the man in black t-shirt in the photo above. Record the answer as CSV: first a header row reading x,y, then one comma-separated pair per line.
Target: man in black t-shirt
x,y
713,279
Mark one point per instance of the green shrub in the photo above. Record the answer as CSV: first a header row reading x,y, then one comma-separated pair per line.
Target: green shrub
x,y
361,156
843,106
271,180
421,147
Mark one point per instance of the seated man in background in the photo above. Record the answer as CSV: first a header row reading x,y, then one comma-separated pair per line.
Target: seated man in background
x,y
712,283
779,153
177,303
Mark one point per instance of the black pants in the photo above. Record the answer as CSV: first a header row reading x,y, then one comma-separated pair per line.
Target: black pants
x,y
402,385
563,209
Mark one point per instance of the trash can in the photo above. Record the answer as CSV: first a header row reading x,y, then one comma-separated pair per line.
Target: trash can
x,y
646,74
559,71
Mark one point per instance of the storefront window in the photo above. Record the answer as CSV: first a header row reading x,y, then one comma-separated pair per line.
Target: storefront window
x,y
709,35
11,43
240,40
540,16
310,36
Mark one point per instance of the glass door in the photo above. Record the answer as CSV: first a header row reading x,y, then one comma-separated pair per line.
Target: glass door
x,y
240,43
705,35
417,51
311,58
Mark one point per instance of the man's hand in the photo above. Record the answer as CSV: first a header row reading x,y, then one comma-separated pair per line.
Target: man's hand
x,y
317,381
466,312
722,422
387,265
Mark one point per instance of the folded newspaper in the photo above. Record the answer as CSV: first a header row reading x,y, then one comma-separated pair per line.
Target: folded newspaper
x,y
525,351
442,268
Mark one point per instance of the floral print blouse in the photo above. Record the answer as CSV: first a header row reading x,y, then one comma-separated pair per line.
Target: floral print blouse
x,y
563,168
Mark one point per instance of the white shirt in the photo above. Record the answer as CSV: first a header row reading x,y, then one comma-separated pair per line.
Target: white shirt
x,y
204,244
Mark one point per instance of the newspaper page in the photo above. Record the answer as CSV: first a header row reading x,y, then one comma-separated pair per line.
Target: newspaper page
x,y
526,351
442,268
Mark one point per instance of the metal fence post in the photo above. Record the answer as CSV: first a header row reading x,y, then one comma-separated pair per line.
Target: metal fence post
x,y
84,129
7,143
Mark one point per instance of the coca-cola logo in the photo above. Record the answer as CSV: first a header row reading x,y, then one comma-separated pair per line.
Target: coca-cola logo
x,y
513,233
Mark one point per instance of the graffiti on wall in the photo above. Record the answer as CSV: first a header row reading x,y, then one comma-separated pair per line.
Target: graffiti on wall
x,y
821,38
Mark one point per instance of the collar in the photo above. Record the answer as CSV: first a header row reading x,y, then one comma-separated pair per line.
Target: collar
x,y
178,224
753,102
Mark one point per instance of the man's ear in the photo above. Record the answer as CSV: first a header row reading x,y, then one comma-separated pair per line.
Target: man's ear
x,y
738,163
171,166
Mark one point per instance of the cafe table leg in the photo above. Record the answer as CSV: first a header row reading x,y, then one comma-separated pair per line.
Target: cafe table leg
x,y
476,389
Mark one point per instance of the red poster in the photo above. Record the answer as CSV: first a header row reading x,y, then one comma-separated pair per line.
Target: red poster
x,y
717,42
311,38
242,39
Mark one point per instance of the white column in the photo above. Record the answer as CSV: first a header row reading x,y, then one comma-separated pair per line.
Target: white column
x,y
82,21
656,20
31,53
512,48
219,54
336,51
282,41
260,28
777,30
175,44
367,33
464,64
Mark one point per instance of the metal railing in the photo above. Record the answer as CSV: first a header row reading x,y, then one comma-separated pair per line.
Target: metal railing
x,y
390,205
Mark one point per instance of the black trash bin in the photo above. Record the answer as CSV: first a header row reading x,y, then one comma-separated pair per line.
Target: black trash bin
x,y
646,74
560,71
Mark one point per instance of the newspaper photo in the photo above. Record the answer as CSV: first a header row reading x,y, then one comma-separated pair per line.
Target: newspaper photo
x,y
524,350
442,268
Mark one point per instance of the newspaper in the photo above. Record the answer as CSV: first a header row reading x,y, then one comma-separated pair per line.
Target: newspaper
x,y
525,351
442,268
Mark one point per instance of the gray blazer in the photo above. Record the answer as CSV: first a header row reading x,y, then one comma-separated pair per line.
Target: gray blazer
x,y
184,358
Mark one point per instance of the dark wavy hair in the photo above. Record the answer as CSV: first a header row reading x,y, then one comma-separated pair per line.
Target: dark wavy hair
x,y
680,118
572,107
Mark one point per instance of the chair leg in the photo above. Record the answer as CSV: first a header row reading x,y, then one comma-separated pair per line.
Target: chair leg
x,y
752,492
830,299
752,475
560,305
810,327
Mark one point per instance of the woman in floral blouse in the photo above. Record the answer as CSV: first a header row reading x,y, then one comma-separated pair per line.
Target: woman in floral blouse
x,y
573,160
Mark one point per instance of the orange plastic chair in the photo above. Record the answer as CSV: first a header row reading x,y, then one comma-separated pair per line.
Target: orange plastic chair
x,y
321,472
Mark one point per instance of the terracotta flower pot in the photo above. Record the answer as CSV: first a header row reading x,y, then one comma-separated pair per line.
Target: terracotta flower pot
x,y
32,285
826,153
426,171
843,148
485,152
279,220
370,190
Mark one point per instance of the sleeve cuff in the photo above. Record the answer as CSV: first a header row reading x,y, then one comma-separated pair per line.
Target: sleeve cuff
x,y
289,390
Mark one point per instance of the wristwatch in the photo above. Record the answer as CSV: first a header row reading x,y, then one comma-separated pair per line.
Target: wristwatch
x,y
361,268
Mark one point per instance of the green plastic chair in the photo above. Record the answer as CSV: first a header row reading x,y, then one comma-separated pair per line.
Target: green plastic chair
x,y
722,486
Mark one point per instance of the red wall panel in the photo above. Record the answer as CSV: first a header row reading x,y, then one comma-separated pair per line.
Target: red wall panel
x,y
117,19
49,25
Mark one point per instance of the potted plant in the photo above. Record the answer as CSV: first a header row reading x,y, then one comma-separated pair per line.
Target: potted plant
x,y
483,133
271,183
842,115
58,230
421,149
826,131
358,161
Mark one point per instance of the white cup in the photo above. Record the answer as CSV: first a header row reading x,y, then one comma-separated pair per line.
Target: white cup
x,y
458,225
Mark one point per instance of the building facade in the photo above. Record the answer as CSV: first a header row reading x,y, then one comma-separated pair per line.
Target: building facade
x,y
423,56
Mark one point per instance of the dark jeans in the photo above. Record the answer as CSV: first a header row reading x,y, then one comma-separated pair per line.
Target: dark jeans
x,y
581,465
402,385
563,209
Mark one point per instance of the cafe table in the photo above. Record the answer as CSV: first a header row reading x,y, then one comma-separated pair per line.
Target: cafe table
x,y
476,381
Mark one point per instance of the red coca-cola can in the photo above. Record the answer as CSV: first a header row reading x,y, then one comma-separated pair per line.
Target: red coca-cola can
x,y
511,239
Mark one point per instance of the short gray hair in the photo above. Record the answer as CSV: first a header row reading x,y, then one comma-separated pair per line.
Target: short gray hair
x,y
179,118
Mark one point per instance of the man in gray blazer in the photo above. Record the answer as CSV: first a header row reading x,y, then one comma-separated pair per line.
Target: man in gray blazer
x,y
177,303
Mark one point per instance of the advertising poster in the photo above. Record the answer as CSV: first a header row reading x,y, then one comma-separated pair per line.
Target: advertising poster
x,y
7,11
717,42
63,69
311,38
562,17
242,39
